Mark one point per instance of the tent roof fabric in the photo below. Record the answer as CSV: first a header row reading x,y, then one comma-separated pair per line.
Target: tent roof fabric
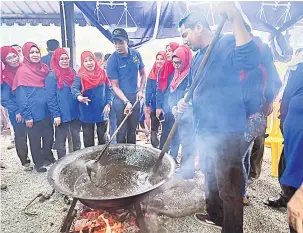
x,y
147,20
34,13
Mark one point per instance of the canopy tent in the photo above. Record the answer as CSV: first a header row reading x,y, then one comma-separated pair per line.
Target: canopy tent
x,y
159,19
146,20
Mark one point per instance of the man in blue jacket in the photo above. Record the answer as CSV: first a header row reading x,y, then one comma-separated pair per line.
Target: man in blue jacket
x,y
271,84
123,67
52,45
219,114
18,48
259,88
100,58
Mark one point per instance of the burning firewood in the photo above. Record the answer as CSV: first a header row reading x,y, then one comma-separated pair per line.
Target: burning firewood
x,y
98,221
108,229
92,226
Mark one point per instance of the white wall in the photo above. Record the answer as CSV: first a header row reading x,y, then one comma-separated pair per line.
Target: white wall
x,y
87,38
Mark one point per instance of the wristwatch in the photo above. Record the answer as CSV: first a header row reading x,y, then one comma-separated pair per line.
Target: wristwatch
x,y
126,102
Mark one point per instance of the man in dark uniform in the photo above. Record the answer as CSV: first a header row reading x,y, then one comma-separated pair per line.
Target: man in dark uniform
x,y
219,114
52,45
99,57
123,67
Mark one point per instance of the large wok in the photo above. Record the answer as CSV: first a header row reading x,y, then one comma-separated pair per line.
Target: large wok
x,y
66,171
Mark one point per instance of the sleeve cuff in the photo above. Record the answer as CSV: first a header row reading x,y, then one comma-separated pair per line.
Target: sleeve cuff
x,y
109,102
28,118
159,106
56,115
77,94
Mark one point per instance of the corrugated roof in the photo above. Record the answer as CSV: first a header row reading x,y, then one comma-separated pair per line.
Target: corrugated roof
x,y
34,13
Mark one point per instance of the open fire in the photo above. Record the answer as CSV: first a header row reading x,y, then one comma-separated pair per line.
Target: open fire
x,y
101,221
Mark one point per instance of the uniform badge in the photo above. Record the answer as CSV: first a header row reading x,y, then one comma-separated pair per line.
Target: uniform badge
x,y
135,60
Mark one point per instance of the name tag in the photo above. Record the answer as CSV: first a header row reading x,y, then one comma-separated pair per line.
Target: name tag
x,y
122,66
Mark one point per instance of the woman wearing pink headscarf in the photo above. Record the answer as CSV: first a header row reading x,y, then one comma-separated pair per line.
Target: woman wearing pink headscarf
x,y
11,61
150,97
94,93
63,107
178,83
29,84
164,115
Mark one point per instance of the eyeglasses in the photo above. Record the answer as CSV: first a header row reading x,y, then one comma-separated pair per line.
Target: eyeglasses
x,y
177,62
64,59
10,58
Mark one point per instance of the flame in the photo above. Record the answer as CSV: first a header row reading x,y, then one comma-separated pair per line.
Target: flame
x,y
108,229
101,222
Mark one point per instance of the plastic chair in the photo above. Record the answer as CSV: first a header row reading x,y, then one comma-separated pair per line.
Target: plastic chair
x,y
269,124
275,140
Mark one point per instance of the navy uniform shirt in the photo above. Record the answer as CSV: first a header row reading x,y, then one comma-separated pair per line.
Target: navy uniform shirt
x,y
261,85
61,102
47,59
218,104
150,94
32,103
100,96
125,70
8,101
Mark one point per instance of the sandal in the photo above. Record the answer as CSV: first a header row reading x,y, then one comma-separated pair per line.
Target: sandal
x,y
276,204
205,220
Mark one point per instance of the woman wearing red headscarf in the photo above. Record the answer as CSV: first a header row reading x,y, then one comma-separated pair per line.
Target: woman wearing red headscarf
x,y
93,91
165,115
10,58
61,104
150,96
177,85
29,85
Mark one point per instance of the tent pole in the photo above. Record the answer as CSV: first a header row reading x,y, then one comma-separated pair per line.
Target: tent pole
x,y
68,29
68,41
62,25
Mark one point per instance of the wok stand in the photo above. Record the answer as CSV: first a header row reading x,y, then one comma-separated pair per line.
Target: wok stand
x,y
140,218
65,228
69,217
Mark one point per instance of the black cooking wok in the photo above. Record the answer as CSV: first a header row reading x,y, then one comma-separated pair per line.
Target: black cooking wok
x,y
66,171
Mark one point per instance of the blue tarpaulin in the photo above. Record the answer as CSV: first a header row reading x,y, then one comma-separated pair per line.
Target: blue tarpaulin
x,y
145,20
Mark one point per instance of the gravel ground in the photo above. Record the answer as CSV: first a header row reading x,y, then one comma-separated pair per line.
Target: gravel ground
x,y
23,186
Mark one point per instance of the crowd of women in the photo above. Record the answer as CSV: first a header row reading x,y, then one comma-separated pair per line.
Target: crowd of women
x,y
166,85
38,97
48,103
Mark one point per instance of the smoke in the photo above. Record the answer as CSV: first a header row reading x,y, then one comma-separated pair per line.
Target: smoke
x,y
220,154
